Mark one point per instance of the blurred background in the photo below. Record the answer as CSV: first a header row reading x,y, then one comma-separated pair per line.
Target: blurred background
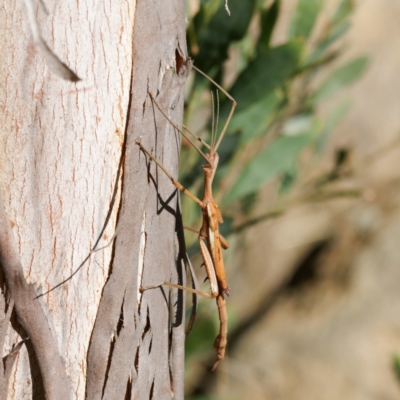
x,y
309,188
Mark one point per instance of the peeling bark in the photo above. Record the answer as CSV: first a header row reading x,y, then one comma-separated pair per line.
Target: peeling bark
x,y
62,148
31,316
139,351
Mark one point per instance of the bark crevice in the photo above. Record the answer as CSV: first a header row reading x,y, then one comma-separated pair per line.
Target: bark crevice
x,y
147,331
31,315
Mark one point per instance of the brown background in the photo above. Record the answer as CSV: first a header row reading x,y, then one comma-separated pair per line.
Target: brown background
x,y
334,326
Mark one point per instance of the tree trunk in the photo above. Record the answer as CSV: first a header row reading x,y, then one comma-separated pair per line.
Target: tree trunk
x,y
73,180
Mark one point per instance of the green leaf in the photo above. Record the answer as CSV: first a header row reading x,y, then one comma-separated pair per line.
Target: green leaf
x,y
332,121
341,78
267,72
339,26
396,366
215,37
343,11
334,35
304,18
299,124
267,22
253,121
271,162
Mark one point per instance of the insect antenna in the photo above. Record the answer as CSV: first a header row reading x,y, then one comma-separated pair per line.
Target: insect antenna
x,y
181,131
212,146
217,119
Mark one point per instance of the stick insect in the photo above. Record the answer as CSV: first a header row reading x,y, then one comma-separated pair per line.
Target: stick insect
x,y
211,242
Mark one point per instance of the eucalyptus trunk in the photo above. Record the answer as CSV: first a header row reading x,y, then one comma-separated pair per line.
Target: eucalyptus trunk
x,y
73,181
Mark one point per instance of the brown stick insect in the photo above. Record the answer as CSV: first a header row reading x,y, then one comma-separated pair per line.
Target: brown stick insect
x,y
211,242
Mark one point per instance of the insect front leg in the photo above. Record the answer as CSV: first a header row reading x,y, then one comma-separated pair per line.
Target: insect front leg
x,y
176,183
210,269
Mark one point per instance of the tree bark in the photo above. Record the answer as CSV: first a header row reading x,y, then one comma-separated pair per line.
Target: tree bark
x,y
72,181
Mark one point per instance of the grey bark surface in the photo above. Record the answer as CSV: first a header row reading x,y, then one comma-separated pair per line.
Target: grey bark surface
x,y
130,347
71,179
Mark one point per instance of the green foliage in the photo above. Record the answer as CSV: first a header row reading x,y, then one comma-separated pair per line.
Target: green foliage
x,y
267,72
253,121
333,119
340,78
396,366
210,36
277,97
269,17
304,18
321,49
343,12
272,89
202,335
274,160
